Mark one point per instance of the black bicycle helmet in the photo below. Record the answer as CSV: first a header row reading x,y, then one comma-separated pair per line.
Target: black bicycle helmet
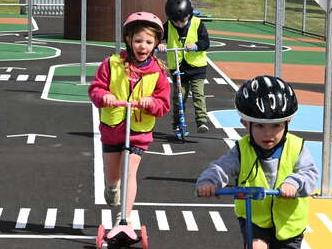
x,y
266,99
177,10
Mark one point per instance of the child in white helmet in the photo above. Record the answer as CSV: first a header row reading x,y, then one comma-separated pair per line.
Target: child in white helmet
x,y
271,157
133,75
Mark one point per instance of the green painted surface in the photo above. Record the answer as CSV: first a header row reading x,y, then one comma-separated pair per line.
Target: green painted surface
x,y
74,70
11,52
290,57
68,91
12,27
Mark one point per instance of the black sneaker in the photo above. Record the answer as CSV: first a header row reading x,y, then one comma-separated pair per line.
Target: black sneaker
x,y
202,128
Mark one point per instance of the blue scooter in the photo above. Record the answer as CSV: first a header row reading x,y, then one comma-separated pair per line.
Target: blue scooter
x,y
181,130
248,194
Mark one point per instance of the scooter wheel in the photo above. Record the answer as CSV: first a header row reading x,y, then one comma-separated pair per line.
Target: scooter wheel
x,y
100,237
144,237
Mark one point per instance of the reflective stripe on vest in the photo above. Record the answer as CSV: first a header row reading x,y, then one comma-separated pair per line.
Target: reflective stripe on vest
x,y
193,58
289,216
141,120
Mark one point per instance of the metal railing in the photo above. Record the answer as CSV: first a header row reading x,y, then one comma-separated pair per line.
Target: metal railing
x,y
44,7
304,16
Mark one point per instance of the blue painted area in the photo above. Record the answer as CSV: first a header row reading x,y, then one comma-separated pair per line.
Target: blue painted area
x,y
308,118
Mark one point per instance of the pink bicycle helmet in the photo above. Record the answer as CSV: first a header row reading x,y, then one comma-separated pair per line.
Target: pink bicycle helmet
x,y
143,17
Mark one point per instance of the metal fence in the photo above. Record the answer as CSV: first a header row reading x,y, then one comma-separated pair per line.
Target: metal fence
x,y
304,16
44,7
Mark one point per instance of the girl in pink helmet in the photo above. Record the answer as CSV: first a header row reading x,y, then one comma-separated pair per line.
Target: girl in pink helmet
x,y
133,75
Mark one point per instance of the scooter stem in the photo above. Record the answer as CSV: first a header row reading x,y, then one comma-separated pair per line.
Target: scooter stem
x,y
124,176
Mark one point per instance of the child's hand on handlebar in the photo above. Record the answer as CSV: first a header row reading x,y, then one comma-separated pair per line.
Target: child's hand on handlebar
x,y
108,99
206,190
145,102
288,190
162,47
191,47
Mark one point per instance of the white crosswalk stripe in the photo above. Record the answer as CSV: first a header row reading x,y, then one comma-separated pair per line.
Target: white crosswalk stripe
x,y
50,218
162,220
22,218
190,221
78,221
22,77
218,221
135,220
39,78
4,77
107,219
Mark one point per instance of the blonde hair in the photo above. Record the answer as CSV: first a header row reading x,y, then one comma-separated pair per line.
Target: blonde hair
x,y
134,29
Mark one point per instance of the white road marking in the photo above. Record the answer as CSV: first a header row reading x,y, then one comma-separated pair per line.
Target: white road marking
x,y
326,221
305,245
4,77
135,221
46,236
22,218
22,77
162,220
165,204
218,221
106,218
40,78
98,159
220,81
51,218
78,221
190,221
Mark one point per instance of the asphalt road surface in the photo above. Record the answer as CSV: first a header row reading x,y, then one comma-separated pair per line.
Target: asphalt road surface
x,y
48,167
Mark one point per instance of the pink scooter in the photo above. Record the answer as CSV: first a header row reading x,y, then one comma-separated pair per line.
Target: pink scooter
x,y
123,235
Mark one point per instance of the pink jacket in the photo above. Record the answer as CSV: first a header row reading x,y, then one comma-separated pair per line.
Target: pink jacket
x,y
161,97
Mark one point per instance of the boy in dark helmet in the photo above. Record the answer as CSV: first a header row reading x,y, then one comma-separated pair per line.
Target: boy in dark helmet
x,y
270,157
183,30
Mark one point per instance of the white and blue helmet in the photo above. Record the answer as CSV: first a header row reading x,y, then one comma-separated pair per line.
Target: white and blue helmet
x,y
266,99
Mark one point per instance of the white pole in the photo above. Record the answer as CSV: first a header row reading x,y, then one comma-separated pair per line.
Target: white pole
x,y
325,184
83,42
265,10
304,16
278,38
29,26
118,24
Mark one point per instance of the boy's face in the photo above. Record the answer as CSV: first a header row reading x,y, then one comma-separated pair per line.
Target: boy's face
x,y
267,136
181,23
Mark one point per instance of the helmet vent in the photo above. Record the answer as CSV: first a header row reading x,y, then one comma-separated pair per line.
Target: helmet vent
x,y
260,104
254,85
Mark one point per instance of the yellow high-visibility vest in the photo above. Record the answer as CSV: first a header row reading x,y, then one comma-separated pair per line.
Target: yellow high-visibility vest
x,y
141,120
289,216
193,58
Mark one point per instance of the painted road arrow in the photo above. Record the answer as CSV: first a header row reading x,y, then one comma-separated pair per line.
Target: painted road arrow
x,y
31,137
169,152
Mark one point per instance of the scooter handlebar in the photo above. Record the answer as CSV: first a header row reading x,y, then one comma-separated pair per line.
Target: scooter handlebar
x,y
256,193
175,50
134,104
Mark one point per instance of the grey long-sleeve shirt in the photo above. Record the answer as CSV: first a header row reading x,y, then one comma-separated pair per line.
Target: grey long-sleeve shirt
x,y
227,167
